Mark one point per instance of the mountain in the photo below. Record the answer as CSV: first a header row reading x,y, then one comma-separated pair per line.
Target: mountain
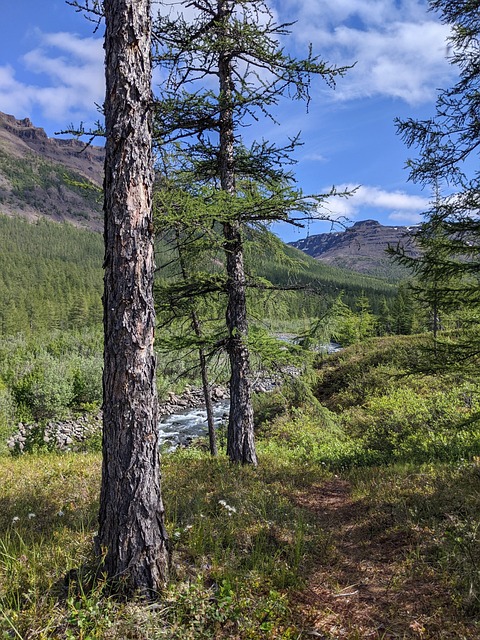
x,y
49,177
51,274
360,248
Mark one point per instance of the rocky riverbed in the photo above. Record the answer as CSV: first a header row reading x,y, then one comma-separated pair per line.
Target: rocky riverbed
x,y
180,419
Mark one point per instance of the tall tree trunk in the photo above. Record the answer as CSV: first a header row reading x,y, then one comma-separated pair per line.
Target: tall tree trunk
x,y
132,534
240,437
212,436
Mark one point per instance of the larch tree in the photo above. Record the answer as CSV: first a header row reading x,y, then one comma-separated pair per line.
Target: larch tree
x,y
187,295
131,539
225,69
449,145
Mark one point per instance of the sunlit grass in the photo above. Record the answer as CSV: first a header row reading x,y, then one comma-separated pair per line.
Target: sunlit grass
x,y
239,544
245,540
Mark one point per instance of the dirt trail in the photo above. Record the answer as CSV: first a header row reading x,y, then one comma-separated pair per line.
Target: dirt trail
x,y
362,586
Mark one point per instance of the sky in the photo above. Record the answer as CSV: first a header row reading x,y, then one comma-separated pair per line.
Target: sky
x,y
51,70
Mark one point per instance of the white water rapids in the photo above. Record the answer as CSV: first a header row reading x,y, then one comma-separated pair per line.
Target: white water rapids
x,y
179,429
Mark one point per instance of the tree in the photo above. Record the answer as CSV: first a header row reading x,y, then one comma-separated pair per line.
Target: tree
x,y
449,145
234,44
131,537
434,285
183,295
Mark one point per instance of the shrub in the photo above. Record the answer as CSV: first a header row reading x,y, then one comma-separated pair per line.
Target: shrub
x,y
417,422
7,416
87,380
47,389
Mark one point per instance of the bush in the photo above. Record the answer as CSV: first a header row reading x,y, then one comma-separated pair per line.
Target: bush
x,y
87,380
417,422
7,416
47,390
313,438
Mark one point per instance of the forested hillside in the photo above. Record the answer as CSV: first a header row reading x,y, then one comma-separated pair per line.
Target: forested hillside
x,y
51,277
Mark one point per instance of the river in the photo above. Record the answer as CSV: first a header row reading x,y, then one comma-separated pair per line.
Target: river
x,y
179,429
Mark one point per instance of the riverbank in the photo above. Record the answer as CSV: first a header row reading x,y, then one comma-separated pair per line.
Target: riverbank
x,y
72,433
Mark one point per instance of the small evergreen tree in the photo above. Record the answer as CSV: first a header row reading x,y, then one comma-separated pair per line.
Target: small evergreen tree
x,y
448,143
225,69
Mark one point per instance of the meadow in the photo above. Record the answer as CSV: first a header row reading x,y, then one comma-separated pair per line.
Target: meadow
x,y
361,521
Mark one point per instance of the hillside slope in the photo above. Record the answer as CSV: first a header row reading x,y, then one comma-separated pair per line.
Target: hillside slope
x,y
41,176
360,248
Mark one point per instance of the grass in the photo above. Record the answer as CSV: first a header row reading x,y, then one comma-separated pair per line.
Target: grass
x,y
239,546
317,540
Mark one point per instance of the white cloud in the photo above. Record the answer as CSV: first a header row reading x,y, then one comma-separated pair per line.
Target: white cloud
x,y
71,79
399,206
399,48
314,157
13,97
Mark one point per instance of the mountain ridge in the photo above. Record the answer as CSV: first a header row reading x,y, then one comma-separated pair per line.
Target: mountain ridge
x,y
60,179
55,178
361,247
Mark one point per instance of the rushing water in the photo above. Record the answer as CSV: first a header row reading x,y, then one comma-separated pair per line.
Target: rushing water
x,y
179,429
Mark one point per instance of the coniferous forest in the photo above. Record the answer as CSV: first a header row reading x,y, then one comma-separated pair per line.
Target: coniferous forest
x,y
341,496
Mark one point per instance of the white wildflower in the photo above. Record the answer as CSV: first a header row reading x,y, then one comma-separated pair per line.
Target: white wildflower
x,y
32,515
15,519
228,507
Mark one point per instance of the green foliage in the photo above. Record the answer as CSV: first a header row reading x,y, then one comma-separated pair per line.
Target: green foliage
x,y
393,410
7,415
312,438
87,380
46,186
447,146
353,326
46,389
242,541
419,423
47,377
50,277
318,284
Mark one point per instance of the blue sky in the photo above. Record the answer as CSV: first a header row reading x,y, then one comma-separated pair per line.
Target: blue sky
x,y
51,70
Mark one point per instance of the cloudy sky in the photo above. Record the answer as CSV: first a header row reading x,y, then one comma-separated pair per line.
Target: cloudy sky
x,y
51,70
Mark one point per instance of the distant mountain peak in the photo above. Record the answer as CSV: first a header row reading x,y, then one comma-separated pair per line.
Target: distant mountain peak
x,y
360,224
24,129
360,247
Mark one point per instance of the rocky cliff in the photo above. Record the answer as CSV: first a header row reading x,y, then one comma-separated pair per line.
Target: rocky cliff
x,y
360,248
43,177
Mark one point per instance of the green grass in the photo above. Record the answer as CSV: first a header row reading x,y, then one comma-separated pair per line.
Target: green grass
x,y
239,545
234,572
248,543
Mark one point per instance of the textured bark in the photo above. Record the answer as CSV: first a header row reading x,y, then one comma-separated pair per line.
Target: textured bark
x,y
240,437
132,535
